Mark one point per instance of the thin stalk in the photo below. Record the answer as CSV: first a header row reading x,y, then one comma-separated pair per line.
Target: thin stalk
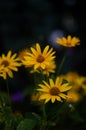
x,y
61,64
44,123
8,91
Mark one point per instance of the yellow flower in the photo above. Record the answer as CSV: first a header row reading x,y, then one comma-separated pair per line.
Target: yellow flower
x,y
49,69
23,53
69,41
70,76
53,91
38,59
81,82
73,96
9,63
35,97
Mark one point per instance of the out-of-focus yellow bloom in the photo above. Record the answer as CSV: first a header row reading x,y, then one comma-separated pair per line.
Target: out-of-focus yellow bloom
x,y
35,97
81,82
38,59
53,91
49,69
68,42
70,76
23,53
9,63
73,96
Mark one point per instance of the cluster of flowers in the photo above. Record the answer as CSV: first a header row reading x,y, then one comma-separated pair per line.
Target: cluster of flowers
x,y
44,62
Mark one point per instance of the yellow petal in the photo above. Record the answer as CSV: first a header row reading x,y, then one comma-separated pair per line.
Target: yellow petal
x,y
53,99
10,74
34,51
45,50
58,98
38,47
51,82
62,95
46,84
9,54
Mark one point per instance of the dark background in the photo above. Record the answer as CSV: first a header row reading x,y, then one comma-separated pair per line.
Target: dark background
x,y
25,22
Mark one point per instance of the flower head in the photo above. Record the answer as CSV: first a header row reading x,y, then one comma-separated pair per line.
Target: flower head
x,y
69,41
38,59
49,69
54,90
8,63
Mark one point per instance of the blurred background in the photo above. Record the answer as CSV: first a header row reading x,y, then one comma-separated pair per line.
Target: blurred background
x,y
25,22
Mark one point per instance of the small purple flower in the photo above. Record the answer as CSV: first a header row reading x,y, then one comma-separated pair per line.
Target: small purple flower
x,y
17,96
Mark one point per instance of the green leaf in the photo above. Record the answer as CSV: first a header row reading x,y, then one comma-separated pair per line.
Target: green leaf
x,y
26,124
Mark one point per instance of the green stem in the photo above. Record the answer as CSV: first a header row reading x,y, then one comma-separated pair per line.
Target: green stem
x,y
44,123
61,64
9,99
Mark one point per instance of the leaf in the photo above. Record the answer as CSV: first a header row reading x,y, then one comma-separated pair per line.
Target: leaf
x,y
26,124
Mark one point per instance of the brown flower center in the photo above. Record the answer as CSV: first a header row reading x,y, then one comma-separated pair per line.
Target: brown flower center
x,y
40,58
5,63
69,43
54,91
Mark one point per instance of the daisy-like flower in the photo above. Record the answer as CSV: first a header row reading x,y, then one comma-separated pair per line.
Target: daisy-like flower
x,y
38,59
49,69
9,63
54,90
69,41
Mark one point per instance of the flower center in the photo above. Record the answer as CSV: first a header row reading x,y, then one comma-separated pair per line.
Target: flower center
x,y
5,63
40,58
54,91
68,43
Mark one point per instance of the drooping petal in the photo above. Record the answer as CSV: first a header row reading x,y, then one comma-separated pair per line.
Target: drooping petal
x,y
10,74
58,98
53,99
